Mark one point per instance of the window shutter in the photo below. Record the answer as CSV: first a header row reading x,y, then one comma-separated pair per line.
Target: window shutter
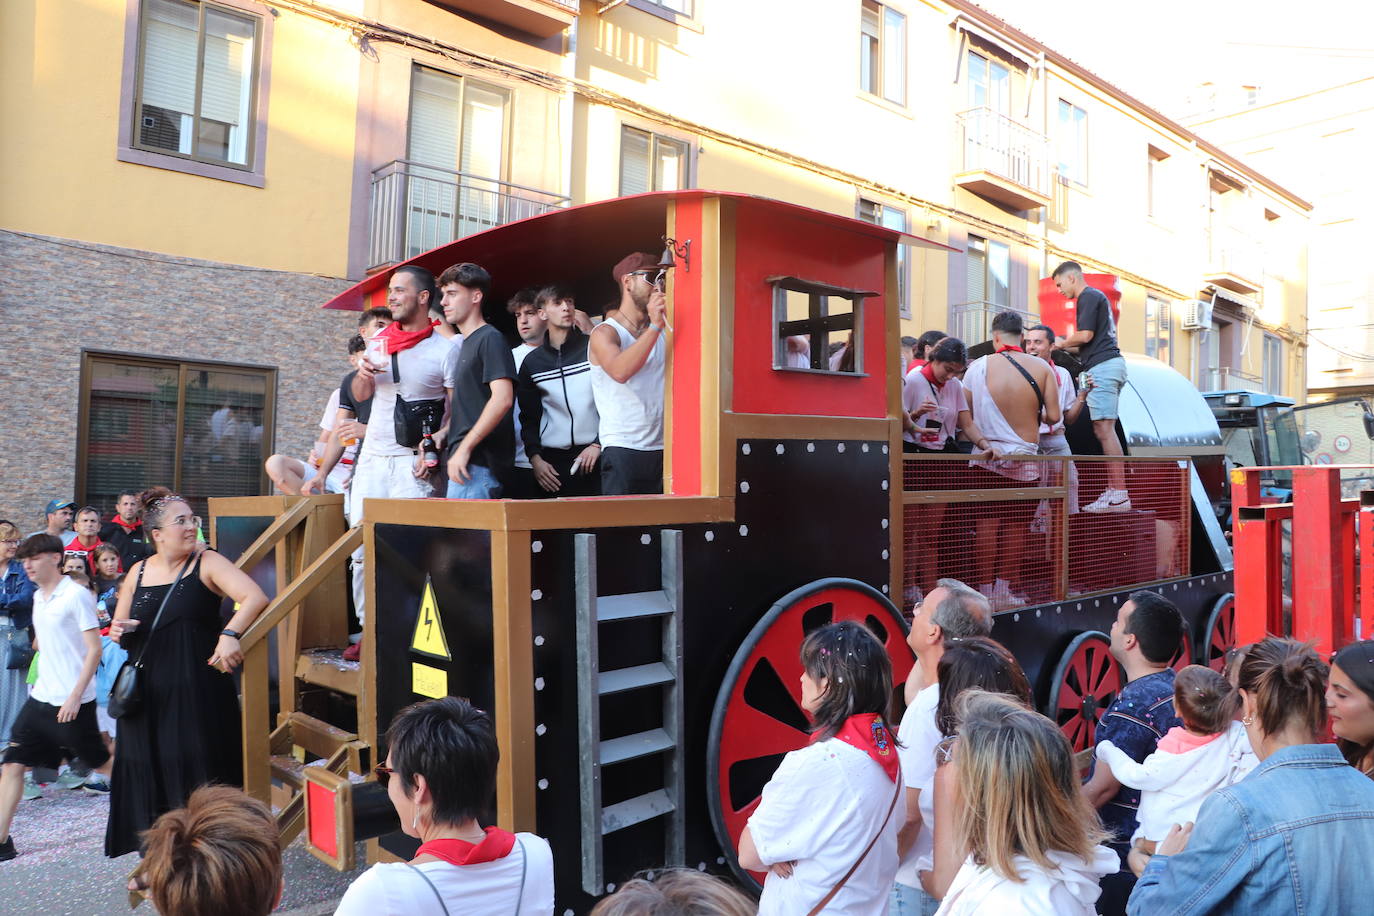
x,y
226,85
634,161
976,262
169,56
434,119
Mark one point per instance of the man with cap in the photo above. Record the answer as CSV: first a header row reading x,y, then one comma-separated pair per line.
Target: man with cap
x,y
627,354
59,514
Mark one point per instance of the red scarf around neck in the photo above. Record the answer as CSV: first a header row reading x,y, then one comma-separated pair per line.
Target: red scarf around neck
x,y
1016,349
497,845
867,732
929,372
398,340
129,527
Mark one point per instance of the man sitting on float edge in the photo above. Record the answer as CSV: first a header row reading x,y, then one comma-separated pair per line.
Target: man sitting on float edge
x,y
1102,361
627,356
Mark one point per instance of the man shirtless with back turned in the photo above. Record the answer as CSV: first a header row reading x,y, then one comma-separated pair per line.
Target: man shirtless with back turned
x,y
1010,393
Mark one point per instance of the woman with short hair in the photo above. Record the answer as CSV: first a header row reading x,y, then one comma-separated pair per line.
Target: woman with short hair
x,y
1350,701
1294,836
218,856
440,774
824,829
1034,841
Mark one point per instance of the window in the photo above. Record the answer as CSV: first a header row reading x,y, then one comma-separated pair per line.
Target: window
x,y
882,52
1158,330
677,6
1273,364
989,84
988,266
196,82
649,162
819,328
1153,166
457,147
892,218
202,429
1073,143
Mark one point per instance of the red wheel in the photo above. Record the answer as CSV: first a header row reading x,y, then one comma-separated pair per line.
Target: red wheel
x,y
1184,656
1086,681
1221,632
758,717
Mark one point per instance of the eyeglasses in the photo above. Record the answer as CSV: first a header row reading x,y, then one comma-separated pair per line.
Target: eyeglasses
x,y
8,541
183,522
654,277
383,774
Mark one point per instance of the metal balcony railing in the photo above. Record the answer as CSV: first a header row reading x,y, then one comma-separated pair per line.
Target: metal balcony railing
x,y
994,143
1231,251
1228,379
417,207
972,321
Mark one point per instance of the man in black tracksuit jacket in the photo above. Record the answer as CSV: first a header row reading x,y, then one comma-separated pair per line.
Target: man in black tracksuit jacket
x,y
553,392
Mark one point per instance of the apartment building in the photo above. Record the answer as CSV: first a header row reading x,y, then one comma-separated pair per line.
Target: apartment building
x,y
209,171
1320,138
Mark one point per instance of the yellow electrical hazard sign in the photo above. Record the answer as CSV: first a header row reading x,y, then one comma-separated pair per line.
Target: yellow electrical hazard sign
x,y
429,629
428,682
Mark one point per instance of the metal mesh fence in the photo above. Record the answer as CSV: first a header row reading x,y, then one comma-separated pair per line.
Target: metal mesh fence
x,y
1018,531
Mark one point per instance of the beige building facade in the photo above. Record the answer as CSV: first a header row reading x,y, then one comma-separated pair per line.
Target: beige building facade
x,y
241,147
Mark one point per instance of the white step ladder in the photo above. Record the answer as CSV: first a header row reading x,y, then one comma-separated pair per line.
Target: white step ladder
x,y
593,610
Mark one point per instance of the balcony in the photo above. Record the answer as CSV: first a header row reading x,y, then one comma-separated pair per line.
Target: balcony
x,y
1003,161
971,322
542,18
1227,379
1234,261
418,207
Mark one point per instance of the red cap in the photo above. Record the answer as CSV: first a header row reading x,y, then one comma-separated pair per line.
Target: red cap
x,y
639,260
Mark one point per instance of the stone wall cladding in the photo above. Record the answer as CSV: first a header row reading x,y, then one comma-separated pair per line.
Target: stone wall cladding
x,y
60,297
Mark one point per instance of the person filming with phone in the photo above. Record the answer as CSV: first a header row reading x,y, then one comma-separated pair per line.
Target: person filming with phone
x,y
627,355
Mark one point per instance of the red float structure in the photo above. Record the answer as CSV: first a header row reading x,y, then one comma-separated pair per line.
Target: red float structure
x,y
639,654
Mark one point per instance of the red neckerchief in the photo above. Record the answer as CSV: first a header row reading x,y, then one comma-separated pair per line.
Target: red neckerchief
x,y
128,528
929,373
867,732
915,364
497,845
1017,349
398,340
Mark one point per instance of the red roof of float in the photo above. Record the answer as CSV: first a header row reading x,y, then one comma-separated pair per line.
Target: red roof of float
x,y
570,246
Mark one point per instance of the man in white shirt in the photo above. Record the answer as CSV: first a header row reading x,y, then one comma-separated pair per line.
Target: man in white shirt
x,y
58,719
1040,342
411,351
952,609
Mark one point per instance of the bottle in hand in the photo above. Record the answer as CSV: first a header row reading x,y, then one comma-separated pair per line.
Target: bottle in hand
x,y
428,448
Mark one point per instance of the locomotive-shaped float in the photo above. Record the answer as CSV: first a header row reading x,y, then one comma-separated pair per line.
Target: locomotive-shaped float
x,y
639,654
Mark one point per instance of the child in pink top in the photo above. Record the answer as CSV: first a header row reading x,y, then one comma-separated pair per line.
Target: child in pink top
x,y
1209,752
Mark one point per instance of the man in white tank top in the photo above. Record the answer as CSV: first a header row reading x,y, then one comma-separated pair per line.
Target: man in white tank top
x,y
627,357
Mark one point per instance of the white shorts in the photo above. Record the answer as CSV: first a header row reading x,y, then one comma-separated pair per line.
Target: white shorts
x,y
105,720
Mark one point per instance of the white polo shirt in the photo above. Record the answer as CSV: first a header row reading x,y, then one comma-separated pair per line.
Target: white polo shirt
x,y
59,620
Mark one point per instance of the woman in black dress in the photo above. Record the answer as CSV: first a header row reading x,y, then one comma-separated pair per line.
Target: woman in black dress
x,y
187,732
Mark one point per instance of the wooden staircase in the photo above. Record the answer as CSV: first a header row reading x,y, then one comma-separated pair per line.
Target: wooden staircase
x,y
309,542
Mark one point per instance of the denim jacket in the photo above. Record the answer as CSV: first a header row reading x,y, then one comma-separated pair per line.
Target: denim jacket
x,y
1296,836
16,595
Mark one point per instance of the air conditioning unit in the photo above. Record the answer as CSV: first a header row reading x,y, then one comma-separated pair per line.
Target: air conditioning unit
x,y
1197,315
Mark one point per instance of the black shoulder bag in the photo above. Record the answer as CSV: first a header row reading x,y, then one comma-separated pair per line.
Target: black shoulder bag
x,y
411,417
126,695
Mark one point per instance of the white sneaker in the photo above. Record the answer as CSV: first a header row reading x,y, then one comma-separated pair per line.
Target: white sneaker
x,y
1110,501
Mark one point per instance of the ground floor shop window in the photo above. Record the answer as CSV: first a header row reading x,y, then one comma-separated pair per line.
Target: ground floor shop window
x,y
203,429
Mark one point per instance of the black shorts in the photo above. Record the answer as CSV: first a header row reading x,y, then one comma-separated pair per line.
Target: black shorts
x,y
37,739
584,484
628,471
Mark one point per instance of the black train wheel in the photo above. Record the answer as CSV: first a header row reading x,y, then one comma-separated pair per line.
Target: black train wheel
x,y
1086,681
1221,633
758,717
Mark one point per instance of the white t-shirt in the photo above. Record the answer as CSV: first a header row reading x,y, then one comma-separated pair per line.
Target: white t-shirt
x,y
918,735
950,396
343,471
520,351
484,889
1071,888
822,807
58,621
1067,395
422,379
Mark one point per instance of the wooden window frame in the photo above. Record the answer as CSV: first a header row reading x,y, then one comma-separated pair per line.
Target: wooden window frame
x,y
817,323
183,366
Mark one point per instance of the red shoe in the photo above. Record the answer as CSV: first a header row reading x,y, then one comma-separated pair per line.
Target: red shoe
x,y
353,653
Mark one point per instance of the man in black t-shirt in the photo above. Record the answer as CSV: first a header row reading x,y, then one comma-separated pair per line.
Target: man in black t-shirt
x,y
481,378
1104,372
